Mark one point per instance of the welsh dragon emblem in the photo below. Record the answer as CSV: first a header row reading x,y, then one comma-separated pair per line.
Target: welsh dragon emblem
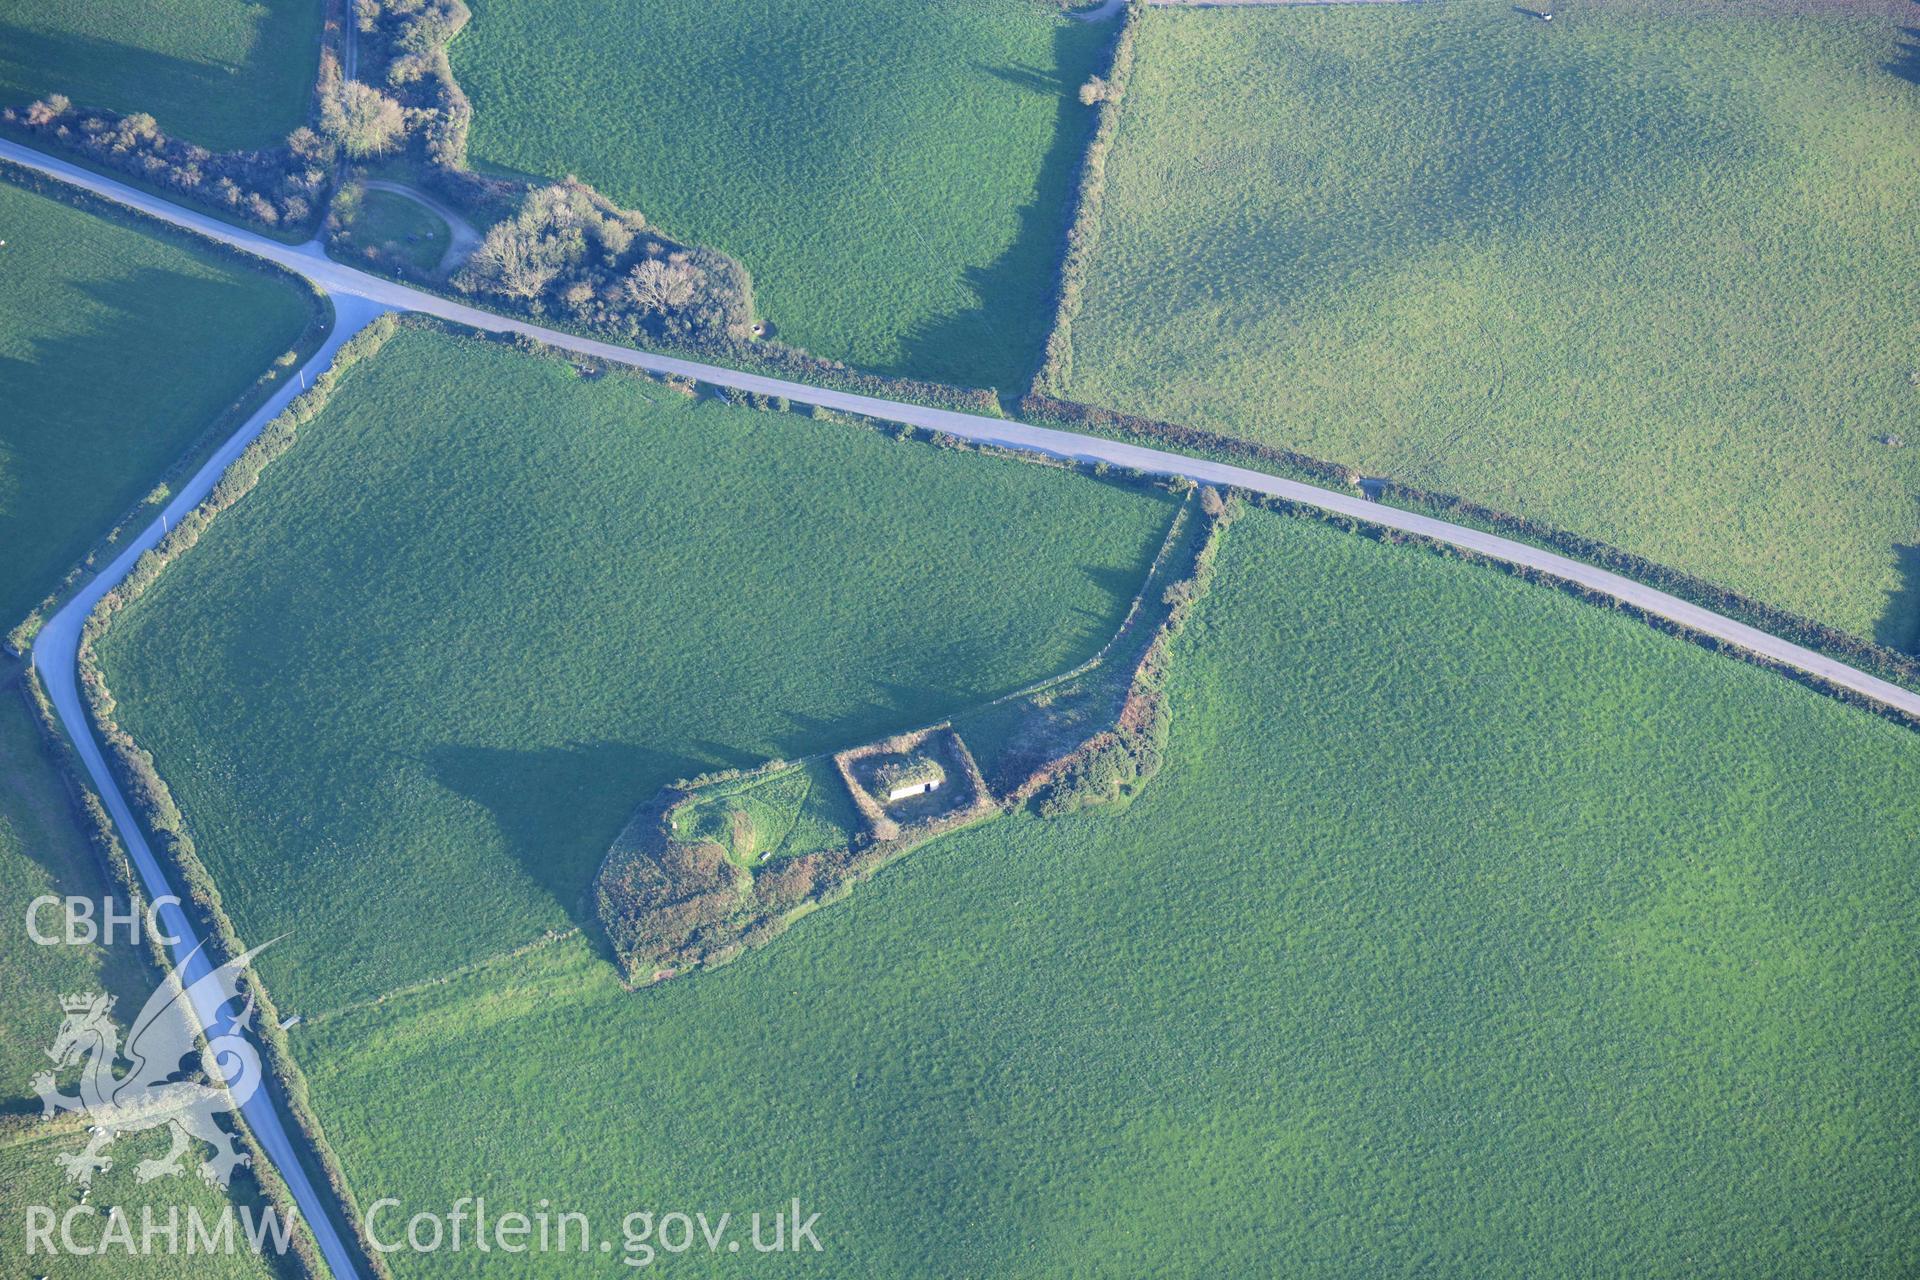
x,y
155,1090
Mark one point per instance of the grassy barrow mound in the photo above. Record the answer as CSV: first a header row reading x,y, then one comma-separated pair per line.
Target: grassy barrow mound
x,y
1642,272
687,885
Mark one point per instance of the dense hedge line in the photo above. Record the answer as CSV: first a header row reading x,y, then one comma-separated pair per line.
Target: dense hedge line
x,y
777,359
1114,764
153,800
1887,663
409,38
1170,435
563,254
285,188
282,187
1105,94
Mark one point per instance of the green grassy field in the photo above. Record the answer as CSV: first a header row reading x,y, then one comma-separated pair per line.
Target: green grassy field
x,y
894,176
117,351
409,690
226,74
43,851
1468,931
29,1177
1643,272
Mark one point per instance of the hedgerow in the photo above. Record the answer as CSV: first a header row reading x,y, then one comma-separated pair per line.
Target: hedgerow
x,y
1105,94
564,254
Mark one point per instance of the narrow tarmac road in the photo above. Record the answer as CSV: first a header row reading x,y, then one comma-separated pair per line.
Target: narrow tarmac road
x,y
343,282
56,654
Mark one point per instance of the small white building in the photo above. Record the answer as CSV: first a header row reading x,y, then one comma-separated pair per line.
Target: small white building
x,y
913,789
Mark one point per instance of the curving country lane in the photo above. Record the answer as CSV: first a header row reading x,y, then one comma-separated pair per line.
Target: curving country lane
x,y
358,298
56,651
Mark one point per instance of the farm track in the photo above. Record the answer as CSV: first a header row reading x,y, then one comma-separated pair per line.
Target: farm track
x,y
358,298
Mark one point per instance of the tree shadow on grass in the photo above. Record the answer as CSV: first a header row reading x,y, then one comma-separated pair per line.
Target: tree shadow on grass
x,y
558,809
1906,60
127,78
99,412
1899,626
997,342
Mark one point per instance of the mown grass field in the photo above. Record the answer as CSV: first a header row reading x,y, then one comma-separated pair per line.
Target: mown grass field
x,y
226,74
894,176
1468,931
1644,272
117,351
409,689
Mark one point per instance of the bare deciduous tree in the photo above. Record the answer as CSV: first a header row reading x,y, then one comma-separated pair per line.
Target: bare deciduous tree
x,y
660,286
364,121
48,109
515,261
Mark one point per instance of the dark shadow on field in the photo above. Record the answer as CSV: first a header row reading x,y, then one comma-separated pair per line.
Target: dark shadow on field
x,y
1899,626
893,708
997,341
69,62
1906,61
1121,584
68,445
1036,79
559,808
